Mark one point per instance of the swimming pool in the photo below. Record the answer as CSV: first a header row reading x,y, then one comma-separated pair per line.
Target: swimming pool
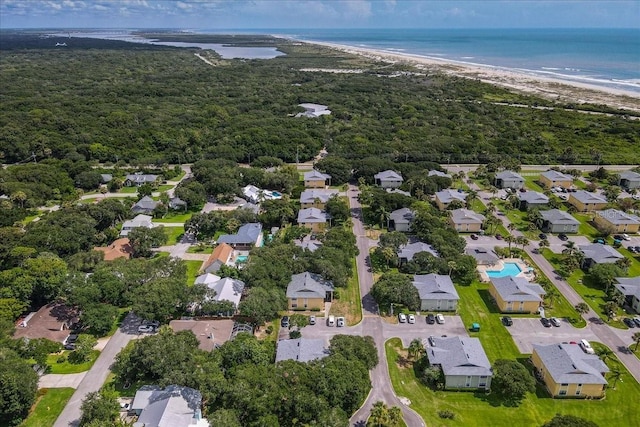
x,y
242,258
509,269
276,194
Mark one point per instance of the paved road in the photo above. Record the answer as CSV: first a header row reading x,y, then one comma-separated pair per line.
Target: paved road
x,y
372,325
96,376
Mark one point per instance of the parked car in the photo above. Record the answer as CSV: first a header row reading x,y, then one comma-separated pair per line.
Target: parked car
x,y
499,236
507,321
601,241
331,320
631,249
625,236
145,329
411,318
629,322
555,322
284,322
586,347
542,236
545,322
340,322
431,319
440,319
617,237
474,237
563,237
312,320
638,249
402,318
70,342
636,320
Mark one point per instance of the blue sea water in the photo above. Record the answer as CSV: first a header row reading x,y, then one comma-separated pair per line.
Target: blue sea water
x,y
605,57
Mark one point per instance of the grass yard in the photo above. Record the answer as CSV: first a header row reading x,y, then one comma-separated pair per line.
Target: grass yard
x,y
29,218
477,409
349,303
198,249
192,271
128,190
49,404
119,388
69,368
530,181
174,234
585,228
174,217
162,188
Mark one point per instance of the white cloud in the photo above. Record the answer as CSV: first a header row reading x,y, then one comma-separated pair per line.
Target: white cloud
x,y
183,6
100,7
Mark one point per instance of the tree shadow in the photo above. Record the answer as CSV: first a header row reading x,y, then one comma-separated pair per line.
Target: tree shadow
x,y
488,301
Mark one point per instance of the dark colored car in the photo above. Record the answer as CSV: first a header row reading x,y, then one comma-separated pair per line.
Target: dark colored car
x,y
545,322
631,249
284,322
629,322
499,236
638,249
542,236
507,321
70,342
636,320
563,237
617,237
474,237
431,319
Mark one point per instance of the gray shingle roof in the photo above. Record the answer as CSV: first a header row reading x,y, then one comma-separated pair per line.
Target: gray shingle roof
x,y
312,216
106,177
408,251
600,253
438,173
568,364
246,234
309,196
533,197
509,175
398,191
308,244
517,289
629,286
447,196
553,175
388,175
556,216
140,178
146,203
435,286
315,175
617,217
466,216
482,255
308,285
301,349
630,175
586,197
402,216
459,356
227,289
174,406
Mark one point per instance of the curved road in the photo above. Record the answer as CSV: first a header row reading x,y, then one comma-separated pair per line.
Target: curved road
x,y
381,389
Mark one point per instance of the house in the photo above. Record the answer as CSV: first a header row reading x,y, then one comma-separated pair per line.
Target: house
x,y
308,244
247,236
211,334
465,220
146,206
316,179
313,110
176,203
557,221
531,199
436,291
596,253
220,256
509,179
52,321
438,174
629,180
137,179
227,289
618,221
445,197
174,406
388,179
463,362
630,288
408,251
120,248
105,178
138,221
483,256
552,178
401,219
308,291
254,194
516,294
397,191
567,371
313,218
584,201
316,198
301,349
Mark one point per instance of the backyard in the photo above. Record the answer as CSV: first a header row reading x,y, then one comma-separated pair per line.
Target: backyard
x,y
348,303
69,368
49,404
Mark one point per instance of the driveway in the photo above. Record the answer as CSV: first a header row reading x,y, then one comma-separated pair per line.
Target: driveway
x,y
421,330
61,380
529,331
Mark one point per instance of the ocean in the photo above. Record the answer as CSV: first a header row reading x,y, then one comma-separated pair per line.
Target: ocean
x,y
601,57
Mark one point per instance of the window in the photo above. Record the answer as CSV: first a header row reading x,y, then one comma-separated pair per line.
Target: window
x,y
563,392
565,384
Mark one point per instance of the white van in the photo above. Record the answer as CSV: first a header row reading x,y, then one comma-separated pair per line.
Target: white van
x,y
331,321
586,347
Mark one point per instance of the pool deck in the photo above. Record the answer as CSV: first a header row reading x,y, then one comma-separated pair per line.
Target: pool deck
x,y
523,266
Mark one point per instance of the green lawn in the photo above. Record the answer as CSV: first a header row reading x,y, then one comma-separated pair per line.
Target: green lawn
x,y
480,409
162,188
192,271
118,387
128,190
585,228
196,249
70,368
348,302
530,181
634,269
174,217
29,218
49,404
174,234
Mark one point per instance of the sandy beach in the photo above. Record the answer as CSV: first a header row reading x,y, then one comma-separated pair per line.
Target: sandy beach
x,y
564,91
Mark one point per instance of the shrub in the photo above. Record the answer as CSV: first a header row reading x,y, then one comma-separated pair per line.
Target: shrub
x,y
446,414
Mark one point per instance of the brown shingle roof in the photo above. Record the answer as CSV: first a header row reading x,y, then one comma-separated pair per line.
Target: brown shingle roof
x,y
221,253
120,248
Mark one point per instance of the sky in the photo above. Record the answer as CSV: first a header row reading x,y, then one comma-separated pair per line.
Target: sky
x,y
247,14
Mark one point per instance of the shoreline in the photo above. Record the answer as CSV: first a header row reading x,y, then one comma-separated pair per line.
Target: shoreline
x,y
555,89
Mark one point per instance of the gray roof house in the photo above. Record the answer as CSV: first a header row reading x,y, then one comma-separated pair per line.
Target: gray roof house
x,y
308,197
175,406
445,197
483,256
138,221
516,294
463,361
401,219
247,236
630,288
313,110
439,174
567,366
509,179
466,220
629,180
138,179
146,205
398,191
177,203
436,292
314,177
309,286
586,201
227,289
596,253
408,251
105,178
531,199
621,221
312,216
552,178
557,221
301,349
308,244
388,179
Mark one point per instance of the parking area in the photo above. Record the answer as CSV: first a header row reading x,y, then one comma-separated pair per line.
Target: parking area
x,y
321,330
407,332
529,331
557,246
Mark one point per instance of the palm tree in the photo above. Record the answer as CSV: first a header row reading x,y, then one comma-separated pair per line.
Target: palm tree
x,y
415,349
491,208
615,374
544,243
604,353
582,308
19,197
610,308
510,239
624,263
378,415
551,296
521,240
570,248
452,266
636,339
511,226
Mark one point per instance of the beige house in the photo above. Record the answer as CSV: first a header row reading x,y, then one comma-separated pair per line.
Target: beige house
x,y
567,371
620,222
516,294
313,218
316,179
584,201
445,197
308,291
463,362
316,198
388,179
465,220
552,178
